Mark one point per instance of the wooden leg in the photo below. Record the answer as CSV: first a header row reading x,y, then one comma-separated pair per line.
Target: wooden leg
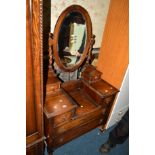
x,y
50,150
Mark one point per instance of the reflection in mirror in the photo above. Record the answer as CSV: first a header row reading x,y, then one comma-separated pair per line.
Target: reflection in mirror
x,y
72,39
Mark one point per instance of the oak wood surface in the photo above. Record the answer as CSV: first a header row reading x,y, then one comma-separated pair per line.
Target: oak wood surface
x,y
88,113
114,52
79,126
53,83
78,131
34,112
94,101
79,121
90,74
37,64
81,97
36,149
58,103
31,126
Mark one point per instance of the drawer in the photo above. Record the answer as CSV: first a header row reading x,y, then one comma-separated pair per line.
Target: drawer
x,y
63,118
103,88
52,87
59,107
101,92
90,74
76,132
107,101
96,114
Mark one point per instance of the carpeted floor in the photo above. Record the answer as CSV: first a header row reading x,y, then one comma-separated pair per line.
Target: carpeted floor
x,y
89,144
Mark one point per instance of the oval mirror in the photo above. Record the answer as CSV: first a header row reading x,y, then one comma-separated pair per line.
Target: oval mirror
x,y
72,38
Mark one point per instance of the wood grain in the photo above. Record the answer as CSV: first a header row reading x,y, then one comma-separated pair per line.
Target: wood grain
x,y
37,64
30,107
114,53
34,89
90,112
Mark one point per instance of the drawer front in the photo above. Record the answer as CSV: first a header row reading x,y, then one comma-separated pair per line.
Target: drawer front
x,y
101,99
95,78
52,87
94,95
91,78
90,74
76,132
79,121
106,102
63,118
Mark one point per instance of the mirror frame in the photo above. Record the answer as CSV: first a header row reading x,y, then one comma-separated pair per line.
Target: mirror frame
x,y
72,8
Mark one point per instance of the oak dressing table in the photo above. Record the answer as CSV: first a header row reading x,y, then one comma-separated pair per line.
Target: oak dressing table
x,y
77,99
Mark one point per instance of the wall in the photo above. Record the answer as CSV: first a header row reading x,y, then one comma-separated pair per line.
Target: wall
x,y
97,10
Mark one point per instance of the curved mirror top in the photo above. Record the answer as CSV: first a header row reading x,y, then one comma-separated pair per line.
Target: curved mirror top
x,y
72,39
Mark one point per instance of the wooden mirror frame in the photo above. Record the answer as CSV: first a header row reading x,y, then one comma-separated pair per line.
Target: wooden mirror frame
x,y
75,8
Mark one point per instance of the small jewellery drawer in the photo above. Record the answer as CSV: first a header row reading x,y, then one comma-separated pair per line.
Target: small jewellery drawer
x,y
59,107
101,92
90,74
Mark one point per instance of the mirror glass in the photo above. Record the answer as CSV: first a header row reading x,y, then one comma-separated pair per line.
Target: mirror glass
x,y
72,39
